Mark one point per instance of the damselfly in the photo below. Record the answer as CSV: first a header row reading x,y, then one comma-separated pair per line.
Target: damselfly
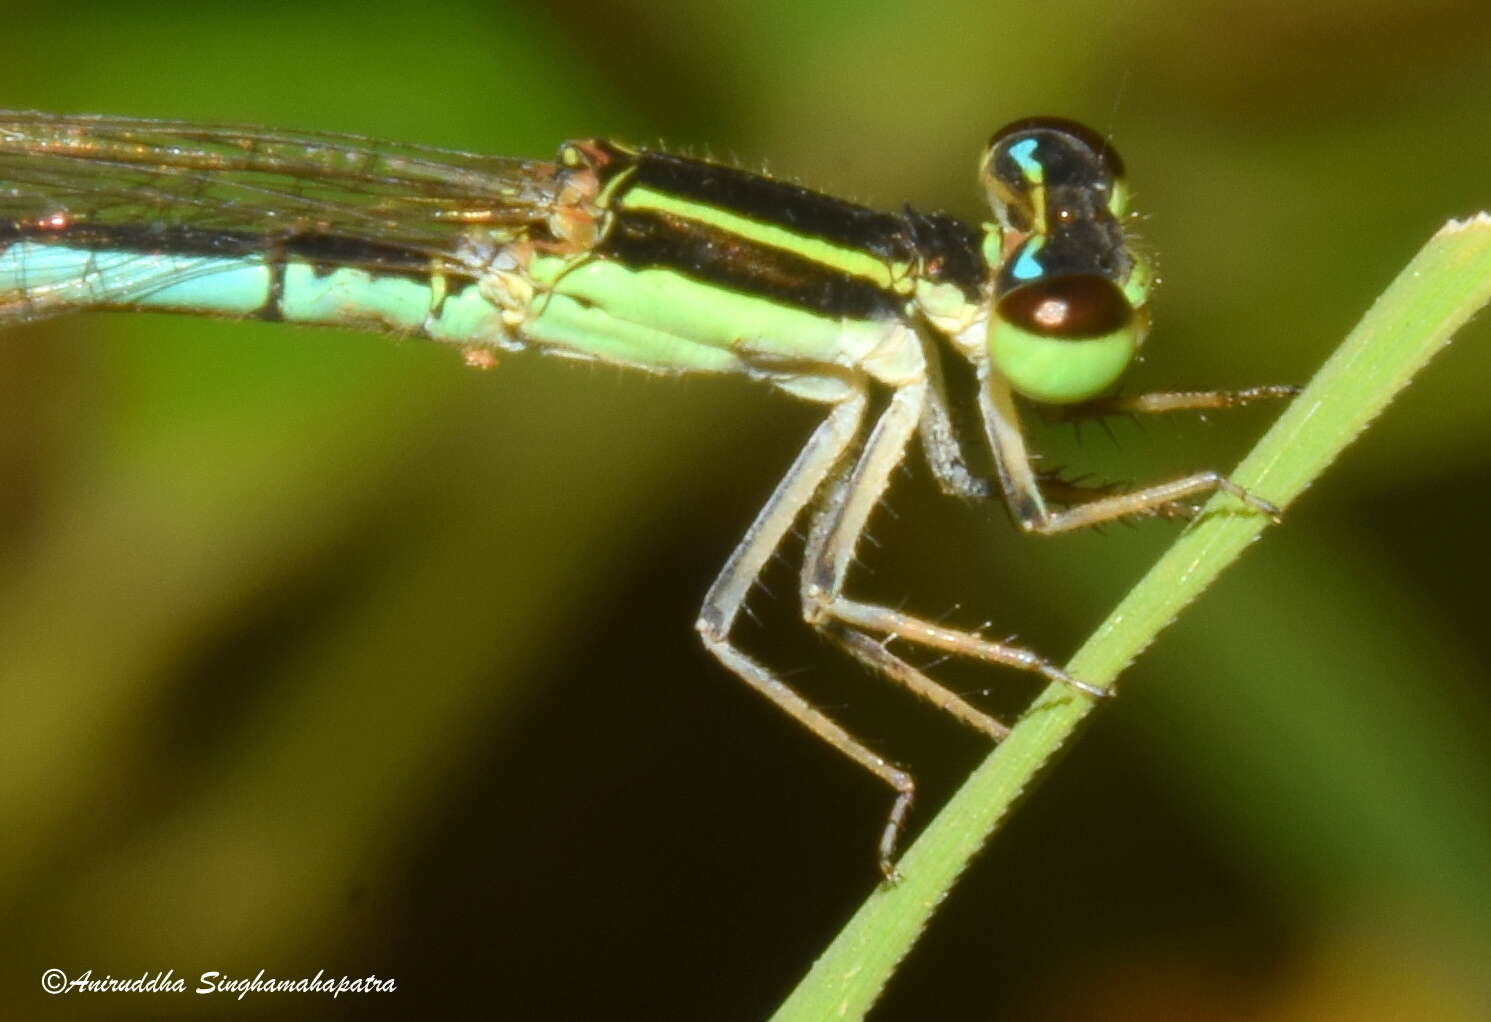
x,y
669,265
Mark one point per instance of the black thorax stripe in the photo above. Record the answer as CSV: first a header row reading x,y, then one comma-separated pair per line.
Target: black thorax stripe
x,y
751,234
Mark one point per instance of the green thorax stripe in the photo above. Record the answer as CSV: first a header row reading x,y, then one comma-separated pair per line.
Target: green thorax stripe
x,y
752,234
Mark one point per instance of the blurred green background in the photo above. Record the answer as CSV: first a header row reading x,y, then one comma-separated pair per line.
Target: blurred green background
x,y
321,651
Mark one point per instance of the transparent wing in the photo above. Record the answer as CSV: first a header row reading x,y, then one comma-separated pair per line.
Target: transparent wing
x,y
248,182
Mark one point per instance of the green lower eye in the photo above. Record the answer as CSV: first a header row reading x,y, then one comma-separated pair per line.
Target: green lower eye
x,y
1065,340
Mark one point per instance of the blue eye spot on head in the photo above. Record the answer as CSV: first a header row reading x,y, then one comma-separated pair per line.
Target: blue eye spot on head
x,y
1027,266
1023,153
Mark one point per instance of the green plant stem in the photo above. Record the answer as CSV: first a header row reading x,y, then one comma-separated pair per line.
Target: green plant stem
x,y
1440,289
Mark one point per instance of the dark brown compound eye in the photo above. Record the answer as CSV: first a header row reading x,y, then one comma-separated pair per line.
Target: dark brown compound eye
x,y
1065,128
1068,307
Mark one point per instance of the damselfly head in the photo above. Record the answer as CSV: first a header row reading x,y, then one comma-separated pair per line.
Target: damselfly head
x,y
1068,293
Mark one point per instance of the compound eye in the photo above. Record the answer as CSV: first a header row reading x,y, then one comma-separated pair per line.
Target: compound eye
x,y
1066,132
1064,340
1032,160
1067,307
